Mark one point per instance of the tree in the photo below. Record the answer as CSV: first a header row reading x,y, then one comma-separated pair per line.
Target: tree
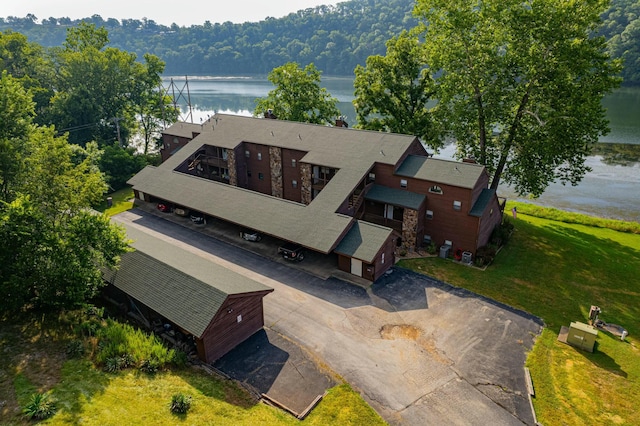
x,y
298,96
53,246
95,84
520,84
392,93
152,107
119,165
16,116
53,264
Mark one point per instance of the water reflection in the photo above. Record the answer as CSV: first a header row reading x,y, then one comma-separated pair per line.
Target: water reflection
x,y
610,190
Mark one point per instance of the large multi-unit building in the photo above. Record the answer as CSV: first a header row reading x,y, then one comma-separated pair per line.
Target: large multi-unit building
x,y
360,194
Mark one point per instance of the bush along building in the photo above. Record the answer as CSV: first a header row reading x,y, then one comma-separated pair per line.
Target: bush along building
x,y
361,194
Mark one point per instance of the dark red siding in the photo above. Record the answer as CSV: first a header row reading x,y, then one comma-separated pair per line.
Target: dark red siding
x,y
290,173
225,332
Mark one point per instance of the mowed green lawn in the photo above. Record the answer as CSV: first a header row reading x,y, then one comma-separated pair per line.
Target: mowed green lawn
x,y
34,360
556,271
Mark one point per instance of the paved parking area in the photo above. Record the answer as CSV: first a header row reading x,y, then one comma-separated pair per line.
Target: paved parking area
x,y
278,368
418,350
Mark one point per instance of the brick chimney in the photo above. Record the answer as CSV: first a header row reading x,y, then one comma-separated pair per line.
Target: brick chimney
x,y
341,122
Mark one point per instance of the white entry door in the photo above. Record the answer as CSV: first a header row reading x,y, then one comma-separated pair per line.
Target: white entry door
x,y
388,211
356,267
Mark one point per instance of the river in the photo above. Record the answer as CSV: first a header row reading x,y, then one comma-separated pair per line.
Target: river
x,y
611,191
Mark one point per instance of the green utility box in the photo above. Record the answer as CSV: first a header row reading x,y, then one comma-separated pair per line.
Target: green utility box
x,y
582,336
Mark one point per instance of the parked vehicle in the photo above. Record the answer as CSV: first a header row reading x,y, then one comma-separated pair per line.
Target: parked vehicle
x,y
180,211
198,218
291,251
249,235
164,208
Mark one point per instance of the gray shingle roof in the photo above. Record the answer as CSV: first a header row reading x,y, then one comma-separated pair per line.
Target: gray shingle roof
x,y
482,202
316,226
363,241
182,286
184,130
397,197
464,175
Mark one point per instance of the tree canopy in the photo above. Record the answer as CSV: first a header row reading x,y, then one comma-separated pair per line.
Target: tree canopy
x,y
335,38
53,246
394,93
298,96
520,84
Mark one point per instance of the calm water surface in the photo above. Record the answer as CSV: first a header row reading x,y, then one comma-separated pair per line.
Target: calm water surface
x,y
607,191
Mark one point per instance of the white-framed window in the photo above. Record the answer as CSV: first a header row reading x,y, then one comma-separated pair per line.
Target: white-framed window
x,y
293,162
403,183
426,240
294,183
259,156
435,189
382,258
429,214
457,205
448,243
247,153
372,176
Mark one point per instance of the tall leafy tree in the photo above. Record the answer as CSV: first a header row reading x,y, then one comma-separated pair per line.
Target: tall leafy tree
x,y
16,117
298,96
151,106
53,246
394,93
521,84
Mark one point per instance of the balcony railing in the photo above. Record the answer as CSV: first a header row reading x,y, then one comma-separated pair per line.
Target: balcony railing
x,y
380,220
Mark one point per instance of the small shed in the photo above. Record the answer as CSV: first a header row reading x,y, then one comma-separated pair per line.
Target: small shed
x,y
218,307
582,336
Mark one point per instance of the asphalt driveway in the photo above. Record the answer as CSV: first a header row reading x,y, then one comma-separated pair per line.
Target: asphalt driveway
x,y
418,350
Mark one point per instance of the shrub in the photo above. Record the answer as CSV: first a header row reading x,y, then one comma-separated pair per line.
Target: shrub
x,y
113,364
41,406
431,248
179,358
150,366
485,255
122,340
180,403
127,361
75,349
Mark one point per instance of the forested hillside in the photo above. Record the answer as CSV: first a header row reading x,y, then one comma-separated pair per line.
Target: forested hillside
x,y
334,38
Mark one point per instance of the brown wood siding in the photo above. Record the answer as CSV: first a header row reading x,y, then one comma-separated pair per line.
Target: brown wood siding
x,y
388,249
170,145
373,271
491,218
291,173
225,332
257,167
344,263
241,166
481,184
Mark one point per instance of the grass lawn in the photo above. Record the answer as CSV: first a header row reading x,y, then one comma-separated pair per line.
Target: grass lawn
x,y
121,202
34,360
557,270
